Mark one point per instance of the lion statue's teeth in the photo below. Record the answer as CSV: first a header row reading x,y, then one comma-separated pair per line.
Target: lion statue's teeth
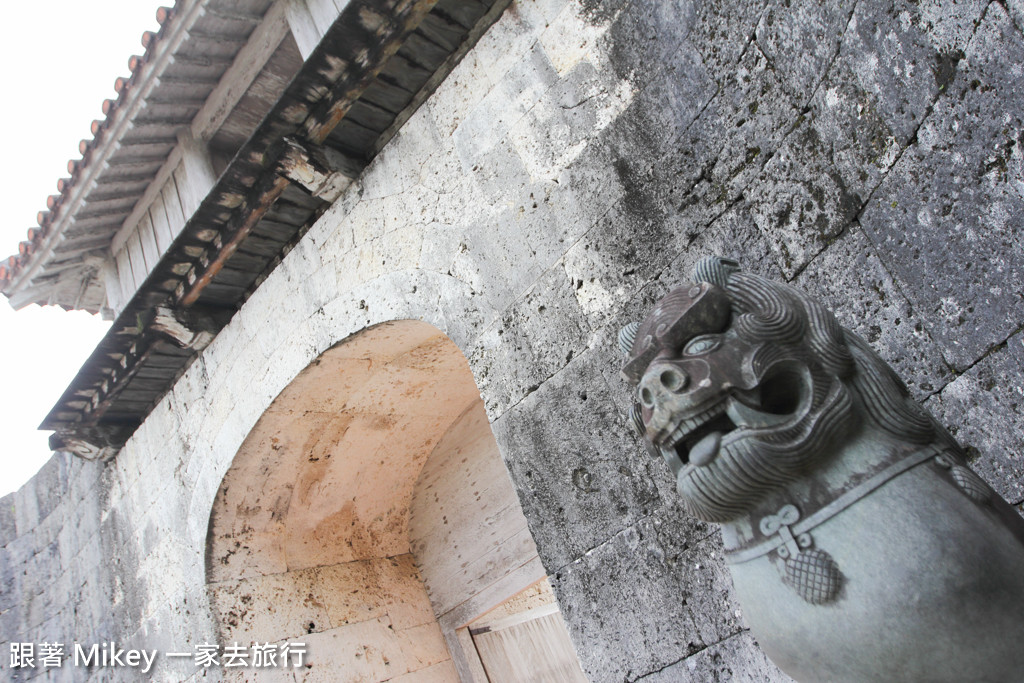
x,y
751,418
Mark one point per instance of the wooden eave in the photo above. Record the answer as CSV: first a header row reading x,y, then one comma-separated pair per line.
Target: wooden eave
x,y
371,64
153,105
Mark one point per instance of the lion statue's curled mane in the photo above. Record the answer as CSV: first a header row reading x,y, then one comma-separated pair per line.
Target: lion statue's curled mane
x,y
788,343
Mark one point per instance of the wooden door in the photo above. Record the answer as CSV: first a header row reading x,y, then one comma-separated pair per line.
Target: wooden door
x,y
530,647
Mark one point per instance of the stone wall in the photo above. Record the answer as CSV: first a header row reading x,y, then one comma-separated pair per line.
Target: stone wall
x,y
569,172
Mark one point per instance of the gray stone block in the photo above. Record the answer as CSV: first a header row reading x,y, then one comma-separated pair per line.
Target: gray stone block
x,y
673,93
601,11
645,34
722,32
801,38
662,563
8,519
507,102
10,585
535,338
902,54
984,410
50,485
569,115
946,221
734,233
26,508
1016,10
705,171
951,23
486,256
866,110
851,280
736,659
802,201
576,471
628,247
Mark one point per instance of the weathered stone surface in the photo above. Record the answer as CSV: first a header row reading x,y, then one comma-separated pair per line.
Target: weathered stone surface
x,y
723,31
535,338
802,202
881,315
866,108
1016,10
8,523
645,34
984,410
950,203
801,40
704,172
575,490
736,659
667,561
506,103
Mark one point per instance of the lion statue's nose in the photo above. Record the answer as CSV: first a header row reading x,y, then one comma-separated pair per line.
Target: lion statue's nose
x,y
659,380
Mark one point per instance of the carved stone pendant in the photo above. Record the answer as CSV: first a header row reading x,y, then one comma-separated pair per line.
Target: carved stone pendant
x,y
814,576
971,484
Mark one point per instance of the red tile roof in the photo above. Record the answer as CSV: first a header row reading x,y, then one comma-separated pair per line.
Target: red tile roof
x,y
10,267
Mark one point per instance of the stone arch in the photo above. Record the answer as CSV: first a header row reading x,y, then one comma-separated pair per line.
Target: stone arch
x,y
333,525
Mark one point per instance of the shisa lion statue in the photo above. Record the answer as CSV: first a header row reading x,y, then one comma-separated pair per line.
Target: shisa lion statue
x,y
861,546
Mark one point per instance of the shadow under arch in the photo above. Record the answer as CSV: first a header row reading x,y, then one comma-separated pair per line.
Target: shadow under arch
x,y
369,516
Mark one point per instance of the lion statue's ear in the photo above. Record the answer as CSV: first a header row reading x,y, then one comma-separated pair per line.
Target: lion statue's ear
x,y
627,335
715,269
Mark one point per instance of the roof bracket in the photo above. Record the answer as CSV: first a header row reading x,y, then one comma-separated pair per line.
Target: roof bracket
x,y
187,329
324,172
100,442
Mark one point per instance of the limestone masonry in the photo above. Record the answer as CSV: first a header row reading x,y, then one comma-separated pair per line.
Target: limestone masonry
x,y
323,471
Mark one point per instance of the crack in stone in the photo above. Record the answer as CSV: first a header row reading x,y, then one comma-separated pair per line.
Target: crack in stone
x,y
1009,14
683,659
990,351
622,531
912,142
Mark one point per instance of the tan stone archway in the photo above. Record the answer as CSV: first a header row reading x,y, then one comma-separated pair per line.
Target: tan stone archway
x,y
368,515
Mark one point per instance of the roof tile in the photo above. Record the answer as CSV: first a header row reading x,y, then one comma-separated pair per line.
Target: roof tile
x,y
66,185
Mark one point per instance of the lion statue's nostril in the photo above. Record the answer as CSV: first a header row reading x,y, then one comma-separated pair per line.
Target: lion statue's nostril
x,y
646,397
674,380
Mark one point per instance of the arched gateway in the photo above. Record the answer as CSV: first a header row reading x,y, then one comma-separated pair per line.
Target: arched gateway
x,y
368,514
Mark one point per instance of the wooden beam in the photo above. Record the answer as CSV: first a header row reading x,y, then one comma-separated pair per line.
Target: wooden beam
x,y
242,72
304,29
114,299
189,330
98,442
195,176
324,172
389,36
203,272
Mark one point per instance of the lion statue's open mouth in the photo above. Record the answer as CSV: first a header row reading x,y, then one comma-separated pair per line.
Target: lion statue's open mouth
x,y
697,436
741,384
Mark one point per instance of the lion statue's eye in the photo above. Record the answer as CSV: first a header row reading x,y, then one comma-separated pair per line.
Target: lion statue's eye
x,y
701,345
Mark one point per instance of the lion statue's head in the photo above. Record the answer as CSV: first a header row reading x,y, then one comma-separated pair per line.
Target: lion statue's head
x,y
744,385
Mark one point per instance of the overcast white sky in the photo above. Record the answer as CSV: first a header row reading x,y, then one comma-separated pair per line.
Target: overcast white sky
x,y
60,59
